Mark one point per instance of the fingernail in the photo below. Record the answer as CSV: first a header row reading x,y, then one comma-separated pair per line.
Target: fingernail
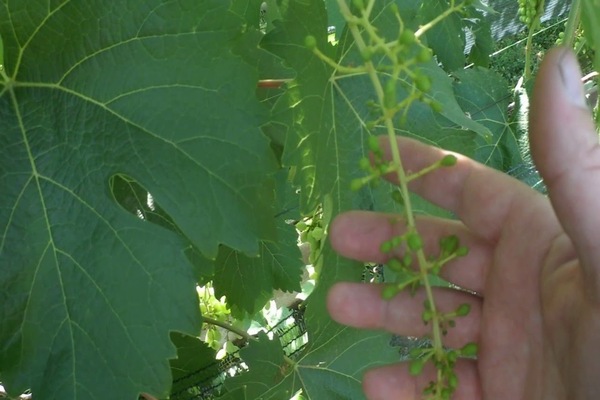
x,y
570,74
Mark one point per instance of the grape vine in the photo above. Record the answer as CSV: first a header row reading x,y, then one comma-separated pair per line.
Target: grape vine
x,y
398,63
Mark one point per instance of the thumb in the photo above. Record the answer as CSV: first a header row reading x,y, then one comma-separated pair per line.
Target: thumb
x,y
564,146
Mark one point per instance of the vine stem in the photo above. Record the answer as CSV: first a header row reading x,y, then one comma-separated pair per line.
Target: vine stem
x,y
572,23
529,46
240,332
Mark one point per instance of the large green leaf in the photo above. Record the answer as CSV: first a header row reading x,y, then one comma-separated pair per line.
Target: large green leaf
x,y
151,90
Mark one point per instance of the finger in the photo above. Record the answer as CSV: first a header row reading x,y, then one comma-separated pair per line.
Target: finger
x,y
359,235
485,200
395,382
564,145
360,305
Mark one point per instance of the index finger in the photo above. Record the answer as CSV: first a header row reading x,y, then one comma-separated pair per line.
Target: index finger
x,y
485,200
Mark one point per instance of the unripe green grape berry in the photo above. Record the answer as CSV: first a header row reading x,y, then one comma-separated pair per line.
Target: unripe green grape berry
x,y
386,247
449,244
389,93
395,265
426,316
373,143
356,184
407,260
452,356
436,106
359,4
453,381
407,37
423,83
389,291
371,125
364,164
462,251
394,9
424,55
416,367
310,42
463,310
396,241
469,350
414,242
449,160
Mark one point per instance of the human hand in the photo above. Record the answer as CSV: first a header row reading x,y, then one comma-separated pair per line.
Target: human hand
x,y
534,261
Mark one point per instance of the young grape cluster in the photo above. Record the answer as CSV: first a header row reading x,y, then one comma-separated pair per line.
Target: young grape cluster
x,y
528,11
397,69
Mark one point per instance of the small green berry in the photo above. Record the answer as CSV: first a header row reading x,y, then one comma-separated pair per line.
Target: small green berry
x,y
453,381
301,226
426,316
358,4
365,164
407,37
414,242
407,260
423,83
469,350
356,184
389,291
310,42
395,265
424,55
462,251
373,143
463,310
449,244
389,94
416,367
394,9
436,106
449,160
386,247
396,241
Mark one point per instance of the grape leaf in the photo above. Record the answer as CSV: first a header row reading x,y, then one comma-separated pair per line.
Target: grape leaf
x,y
485,97
446,38
151,90
266,369
248,282
195,363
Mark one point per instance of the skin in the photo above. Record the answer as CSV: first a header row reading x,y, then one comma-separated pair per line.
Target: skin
x,y
534,260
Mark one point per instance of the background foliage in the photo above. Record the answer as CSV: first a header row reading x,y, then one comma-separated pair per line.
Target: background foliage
x,y
138,159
